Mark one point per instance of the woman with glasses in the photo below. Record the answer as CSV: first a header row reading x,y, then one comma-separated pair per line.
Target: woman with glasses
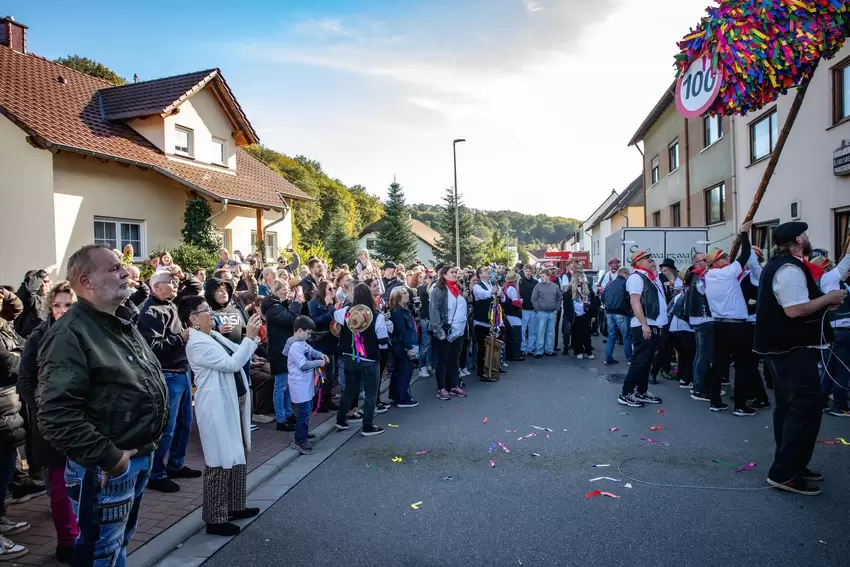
x,y
222,412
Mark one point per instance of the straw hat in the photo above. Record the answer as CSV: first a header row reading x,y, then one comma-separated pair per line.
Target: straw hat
x,y
294,281
639,255
511,276
359,318
335,329
822,262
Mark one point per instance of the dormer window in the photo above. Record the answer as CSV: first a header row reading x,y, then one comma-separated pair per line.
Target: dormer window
x,y
219,151
183,141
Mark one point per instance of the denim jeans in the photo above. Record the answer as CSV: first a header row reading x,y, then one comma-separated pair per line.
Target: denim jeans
x,y
280,398
402,373
107,517
618,324
702,360
840,350
426,354
545,332
529,326
357,373
175,438
302,422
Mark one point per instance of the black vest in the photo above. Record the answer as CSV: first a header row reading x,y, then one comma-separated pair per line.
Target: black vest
x,y
697,302
649,298
776,332
370,341
510,309
481,307
750,292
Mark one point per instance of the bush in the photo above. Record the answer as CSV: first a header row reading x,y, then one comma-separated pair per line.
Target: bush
x,y
191,258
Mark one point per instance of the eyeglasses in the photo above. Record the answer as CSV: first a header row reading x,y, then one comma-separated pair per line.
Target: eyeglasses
x,y
61,305
206,310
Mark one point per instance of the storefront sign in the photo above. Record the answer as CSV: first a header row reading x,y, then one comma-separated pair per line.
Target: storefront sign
x,y
841,159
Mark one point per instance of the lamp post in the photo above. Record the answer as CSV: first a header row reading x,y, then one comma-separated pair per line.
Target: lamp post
x,y
457,205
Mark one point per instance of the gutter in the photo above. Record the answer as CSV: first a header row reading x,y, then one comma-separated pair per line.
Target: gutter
x,y
687,174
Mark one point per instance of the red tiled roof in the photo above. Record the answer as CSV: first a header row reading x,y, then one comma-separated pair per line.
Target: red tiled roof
x,y
61,110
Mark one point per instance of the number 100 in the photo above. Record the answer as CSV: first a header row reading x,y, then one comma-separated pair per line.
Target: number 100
x,y
701,81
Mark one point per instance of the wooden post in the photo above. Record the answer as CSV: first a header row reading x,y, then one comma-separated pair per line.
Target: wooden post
x,y
774,157
261,237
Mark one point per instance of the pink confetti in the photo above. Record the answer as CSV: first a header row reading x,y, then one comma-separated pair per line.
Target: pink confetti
x,y
648,440
613,429
661,411
510,430
423,452
492,464
745,467
505,449
656,428
600,493
547,437
485,420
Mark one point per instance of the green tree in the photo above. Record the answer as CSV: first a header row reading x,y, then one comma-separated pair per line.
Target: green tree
x,y
197,229
495,251
93,68
470,250
396,240
369,208
340,245
522,252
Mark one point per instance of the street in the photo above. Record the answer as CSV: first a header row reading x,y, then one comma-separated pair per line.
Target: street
x,y
355,509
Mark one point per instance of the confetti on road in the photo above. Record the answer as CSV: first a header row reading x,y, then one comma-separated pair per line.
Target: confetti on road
x,y
392,425
542,428
600,493
725,464
745,467
605,478
510,430
628,485
596,466
492,464
613,429
371,467
485,420
526,436
424,452
505,449
656,428
843,442
397,459
535,454
661,411
648,440
624,413
416,505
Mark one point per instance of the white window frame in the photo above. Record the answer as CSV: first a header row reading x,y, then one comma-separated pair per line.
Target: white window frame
x,y
219,152
721,188
271,244
140,250
673,144
655,170
222,234
190,140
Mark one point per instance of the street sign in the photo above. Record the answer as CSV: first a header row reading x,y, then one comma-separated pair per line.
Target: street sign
x,y
697,88
841,159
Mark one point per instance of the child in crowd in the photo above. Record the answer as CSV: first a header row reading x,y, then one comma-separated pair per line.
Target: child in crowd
x,y
303,360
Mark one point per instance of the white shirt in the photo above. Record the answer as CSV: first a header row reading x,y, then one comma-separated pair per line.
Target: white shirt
x,y
607,278
831,280
480,292
457,315
513,295
724,294
578,305
634,285
754,273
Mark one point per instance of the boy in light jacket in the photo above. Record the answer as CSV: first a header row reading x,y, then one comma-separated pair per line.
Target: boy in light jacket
x,y
303,360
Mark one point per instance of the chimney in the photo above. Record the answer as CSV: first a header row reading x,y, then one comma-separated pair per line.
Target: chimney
x,y
13,34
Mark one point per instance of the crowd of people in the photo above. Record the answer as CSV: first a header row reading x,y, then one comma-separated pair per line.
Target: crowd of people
x,y
102,375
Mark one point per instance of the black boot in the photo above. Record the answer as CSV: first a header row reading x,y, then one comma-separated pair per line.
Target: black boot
x,y
65,554
225,529
246,513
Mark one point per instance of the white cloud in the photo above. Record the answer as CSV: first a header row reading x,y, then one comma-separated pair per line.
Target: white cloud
x,y
532,5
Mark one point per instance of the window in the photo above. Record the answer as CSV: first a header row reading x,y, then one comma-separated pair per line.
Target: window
x,y
655,170
673,154
219,153
656,218
763,236
222,238
763,134
676,214
370,244
183,140
841,92
795,210
715,204
712,130
117,234
270,239
842,228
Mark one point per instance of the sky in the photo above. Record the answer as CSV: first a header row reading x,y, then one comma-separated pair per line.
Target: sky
x,y
547,93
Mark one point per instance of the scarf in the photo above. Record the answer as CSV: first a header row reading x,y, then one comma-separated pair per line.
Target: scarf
x,y
816,271
453,288
647,273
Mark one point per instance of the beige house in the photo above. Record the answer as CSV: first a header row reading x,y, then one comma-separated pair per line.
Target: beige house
x,y
427,249
84,161
688,170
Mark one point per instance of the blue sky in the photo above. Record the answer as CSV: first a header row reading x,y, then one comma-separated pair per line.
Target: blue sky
x,y
547,92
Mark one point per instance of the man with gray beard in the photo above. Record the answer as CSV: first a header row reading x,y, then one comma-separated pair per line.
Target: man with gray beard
x,y
102,401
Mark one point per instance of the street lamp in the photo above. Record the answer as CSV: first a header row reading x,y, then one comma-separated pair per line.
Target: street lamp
x,y
457,205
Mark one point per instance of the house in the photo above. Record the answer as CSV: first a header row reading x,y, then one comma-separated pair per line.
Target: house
x,y
688,170
811,181
426,240
582,238
84,161
626,210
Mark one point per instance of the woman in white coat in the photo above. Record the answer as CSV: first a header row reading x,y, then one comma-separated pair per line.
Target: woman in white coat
x,y
222,412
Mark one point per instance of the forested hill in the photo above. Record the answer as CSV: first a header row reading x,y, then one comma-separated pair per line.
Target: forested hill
x,y
511,225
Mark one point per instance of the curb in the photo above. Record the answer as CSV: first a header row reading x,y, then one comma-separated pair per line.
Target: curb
x,y
159,547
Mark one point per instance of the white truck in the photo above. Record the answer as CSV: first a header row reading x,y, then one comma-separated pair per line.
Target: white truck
x,y
680,244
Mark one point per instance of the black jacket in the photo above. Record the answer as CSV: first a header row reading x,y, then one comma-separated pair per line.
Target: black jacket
x,y
389,286
189,287
11,349
615,297
12,433
29,294
160,325
526,288
280,317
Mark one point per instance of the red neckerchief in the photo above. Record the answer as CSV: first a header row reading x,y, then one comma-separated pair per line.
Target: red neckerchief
x,y
453,287
816,271
553,279
647,273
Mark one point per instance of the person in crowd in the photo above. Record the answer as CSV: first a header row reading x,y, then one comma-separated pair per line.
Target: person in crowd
x,y
242,299
32,292
790,335
310,283
223,412
291,268
388,281
269,276
302,361
610,275
161,327
527,282
96,370
12,432
835,379
403,342
649,306
563,327
280,311
426,352
749,283
701,321
732,335
129,308
617,312
513,314
546,299
486,295
364,268
342,283
322,313
59,300
681,333
576,309
414,278
189,285
224,260
165,262
362,329
668,273
380,306
448,322
201,274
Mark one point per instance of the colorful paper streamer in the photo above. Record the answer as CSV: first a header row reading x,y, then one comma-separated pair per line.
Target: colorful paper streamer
x,y
600,493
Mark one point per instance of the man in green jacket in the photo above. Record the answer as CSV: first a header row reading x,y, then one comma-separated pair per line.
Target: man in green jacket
x,y
102,401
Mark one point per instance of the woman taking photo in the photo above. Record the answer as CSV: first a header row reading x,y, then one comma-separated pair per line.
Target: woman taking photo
x,y
448,324
222,412
58,301
322,313
403,346
577,308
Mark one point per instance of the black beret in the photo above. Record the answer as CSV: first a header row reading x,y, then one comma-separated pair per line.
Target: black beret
x,y
787,232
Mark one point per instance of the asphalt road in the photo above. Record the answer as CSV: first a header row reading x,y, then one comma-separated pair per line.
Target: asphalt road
x,y
355,509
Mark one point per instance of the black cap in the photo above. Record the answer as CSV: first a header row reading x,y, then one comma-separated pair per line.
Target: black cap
x,y
669,262
787,232
388,265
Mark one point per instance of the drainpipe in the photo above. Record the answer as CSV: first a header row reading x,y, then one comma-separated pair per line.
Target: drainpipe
x,y
643,173
271,224
221,212
625,216
687,177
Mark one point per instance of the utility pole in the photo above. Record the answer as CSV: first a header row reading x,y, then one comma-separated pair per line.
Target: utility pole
x,y
457,205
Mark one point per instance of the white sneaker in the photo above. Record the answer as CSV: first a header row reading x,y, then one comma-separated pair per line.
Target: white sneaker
x,y
580,357
464,372
423,372
10,550
260,418
591,357
11,527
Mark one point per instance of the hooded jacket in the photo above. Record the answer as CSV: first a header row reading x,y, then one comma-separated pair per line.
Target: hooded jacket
x,y
161,327
279,317
229,313
302,360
